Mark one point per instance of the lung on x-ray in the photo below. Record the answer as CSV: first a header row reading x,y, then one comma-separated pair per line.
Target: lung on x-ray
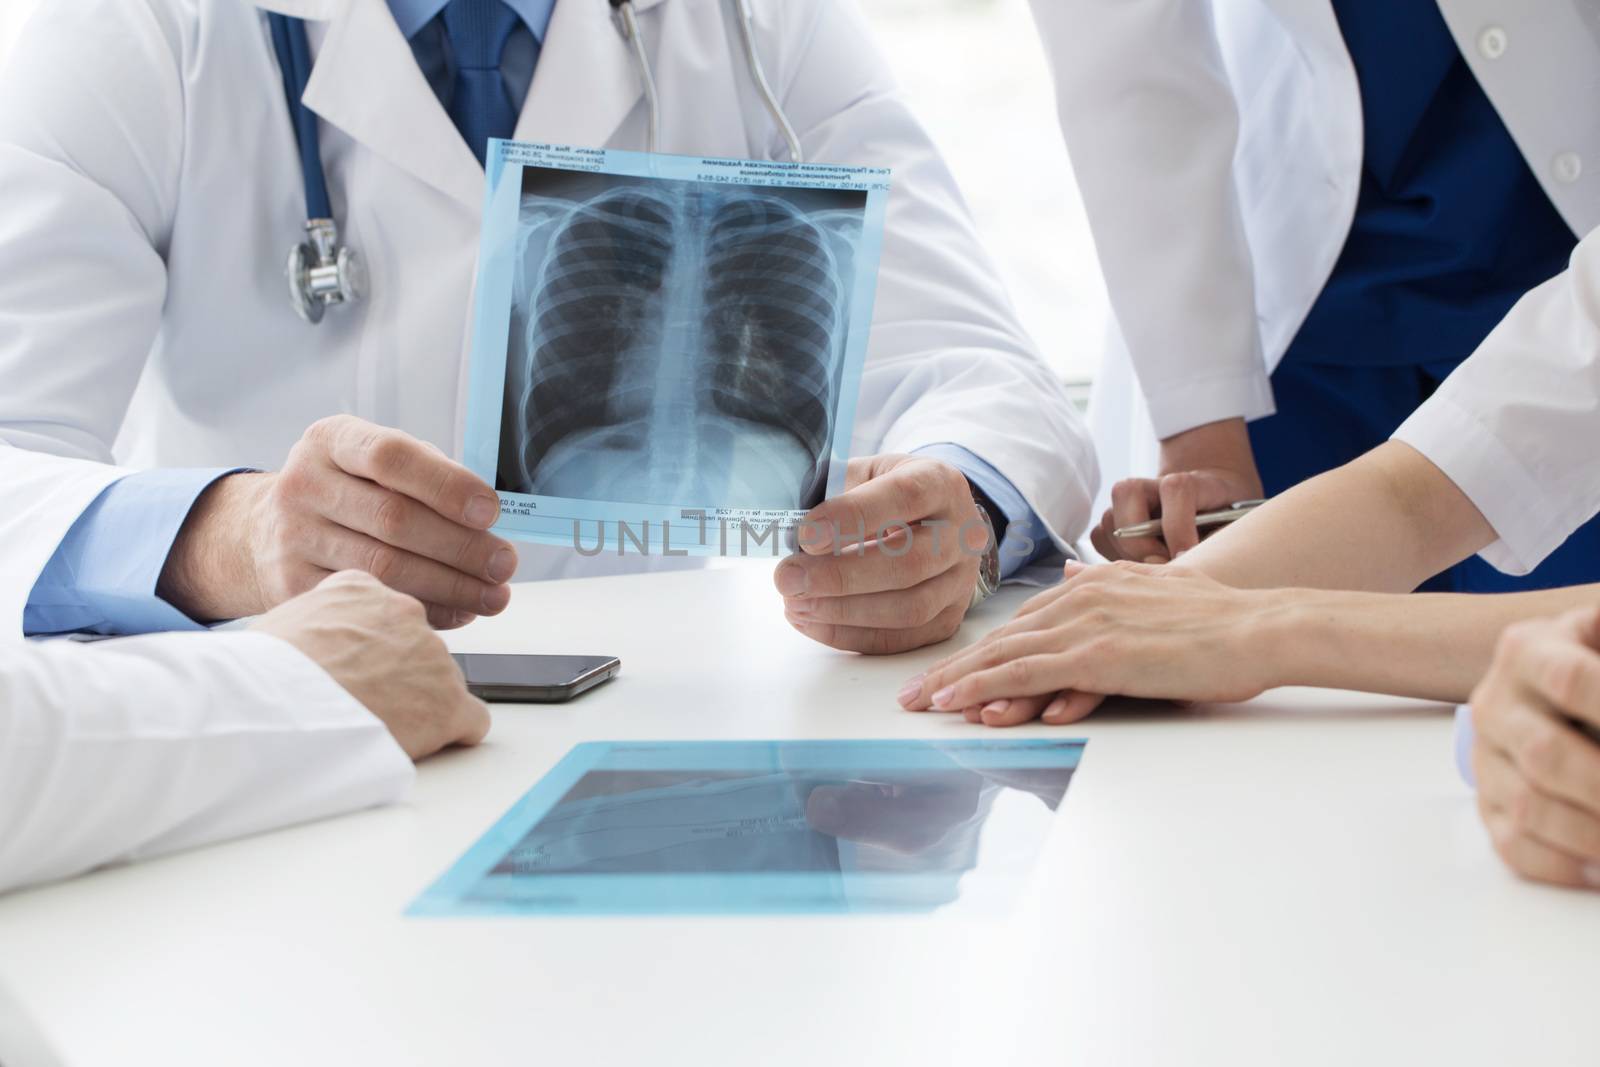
x,y
676,341
666,334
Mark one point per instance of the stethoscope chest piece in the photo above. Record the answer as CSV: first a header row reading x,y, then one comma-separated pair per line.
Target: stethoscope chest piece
x,y
321,273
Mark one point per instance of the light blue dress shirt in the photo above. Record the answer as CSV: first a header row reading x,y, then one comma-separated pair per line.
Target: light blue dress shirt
x,y
1465,736
1024,539
102,577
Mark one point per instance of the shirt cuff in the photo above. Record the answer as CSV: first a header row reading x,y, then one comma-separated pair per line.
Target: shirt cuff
x,y
1179,406
102,577
1017,546
1464,737
1530,521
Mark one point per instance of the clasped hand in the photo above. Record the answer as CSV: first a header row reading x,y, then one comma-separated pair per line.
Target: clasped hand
x,y
1122,629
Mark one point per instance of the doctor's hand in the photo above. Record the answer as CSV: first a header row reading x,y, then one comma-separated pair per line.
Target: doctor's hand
x,y
377,645
1204,469
352,495
1121,629
1538,772
890,564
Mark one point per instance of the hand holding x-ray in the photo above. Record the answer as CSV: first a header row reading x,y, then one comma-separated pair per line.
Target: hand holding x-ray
x,y
890,564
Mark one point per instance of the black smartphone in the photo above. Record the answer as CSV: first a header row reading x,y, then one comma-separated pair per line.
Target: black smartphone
x,y
534,679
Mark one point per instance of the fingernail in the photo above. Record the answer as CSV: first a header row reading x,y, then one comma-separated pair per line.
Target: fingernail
x,y
502,565
495,599
815,538
463,617
911,690
942,699
799,606
483,510
1591,874
792,580
995,709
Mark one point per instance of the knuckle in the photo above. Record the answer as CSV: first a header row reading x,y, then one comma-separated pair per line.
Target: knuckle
x,y
1513,640
324,430
826,576
924,486
921,606
948,621
384,563
1563,680
391,517
998,651
472,553
386,452
879,642
1018,672
1520,807
353,578
1541,753
298,476
465,591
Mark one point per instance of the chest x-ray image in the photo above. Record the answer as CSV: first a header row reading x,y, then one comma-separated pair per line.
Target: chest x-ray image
x,y
670,338
767,827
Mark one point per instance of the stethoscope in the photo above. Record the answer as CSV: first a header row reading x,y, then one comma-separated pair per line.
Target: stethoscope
x,y
322,273
629,25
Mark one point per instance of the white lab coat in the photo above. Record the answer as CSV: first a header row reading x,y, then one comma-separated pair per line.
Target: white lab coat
x,y
124,749
152,190
1517,425
1218,147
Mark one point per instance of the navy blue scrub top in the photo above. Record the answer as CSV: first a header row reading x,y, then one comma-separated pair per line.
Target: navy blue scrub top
x,y
1451,227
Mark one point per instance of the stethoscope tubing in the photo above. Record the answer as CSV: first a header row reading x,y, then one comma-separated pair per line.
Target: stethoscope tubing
x,y
294,63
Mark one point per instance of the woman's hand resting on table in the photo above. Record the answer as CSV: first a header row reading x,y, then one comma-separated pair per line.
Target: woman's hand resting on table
x,y
1123,629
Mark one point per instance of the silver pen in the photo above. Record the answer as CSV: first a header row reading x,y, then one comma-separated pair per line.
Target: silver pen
x,y
1208,518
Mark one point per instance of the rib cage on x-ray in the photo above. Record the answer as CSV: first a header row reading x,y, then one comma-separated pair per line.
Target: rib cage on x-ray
x,y
682,345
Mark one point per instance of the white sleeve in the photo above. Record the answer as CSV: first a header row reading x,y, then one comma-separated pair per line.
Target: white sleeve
x,y
91,109
948,360
1151,125
41,496
124,749
1517,426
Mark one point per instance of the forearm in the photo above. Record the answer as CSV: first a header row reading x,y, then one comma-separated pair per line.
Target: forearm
x,y
1386,523
148,745
1432,646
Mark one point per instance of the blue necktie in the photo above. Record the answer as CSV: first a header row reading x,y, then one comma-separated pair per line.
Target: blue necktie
x,y
480,106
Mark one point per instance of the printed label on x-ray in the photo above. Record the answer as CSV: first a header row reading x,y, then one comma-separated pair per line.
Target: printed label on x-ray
x,y
667,350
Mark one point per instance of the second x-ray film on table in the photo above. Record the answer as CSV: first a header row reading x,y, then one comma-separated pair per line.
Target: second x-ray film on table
x,y
667,350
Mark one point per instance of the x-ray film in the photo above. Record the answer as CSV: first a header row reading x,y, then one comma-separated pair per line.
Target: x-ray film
x,y
742,827
667,350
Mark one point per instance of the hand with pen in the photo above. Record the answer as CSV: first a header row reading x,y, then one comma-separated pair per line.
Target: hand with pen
x,y
1209,469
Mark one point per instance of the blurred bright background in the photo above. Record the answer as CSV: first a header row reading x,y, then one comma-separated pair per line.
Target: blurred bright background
x,y
977,77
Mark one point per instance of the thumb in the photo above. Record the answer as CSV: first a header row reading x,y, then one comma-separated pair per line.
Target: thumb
x,y
1586,624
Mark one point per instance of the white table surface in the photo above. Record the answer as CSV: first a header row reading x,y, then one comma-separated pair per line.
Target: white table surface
x,y
1300,880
